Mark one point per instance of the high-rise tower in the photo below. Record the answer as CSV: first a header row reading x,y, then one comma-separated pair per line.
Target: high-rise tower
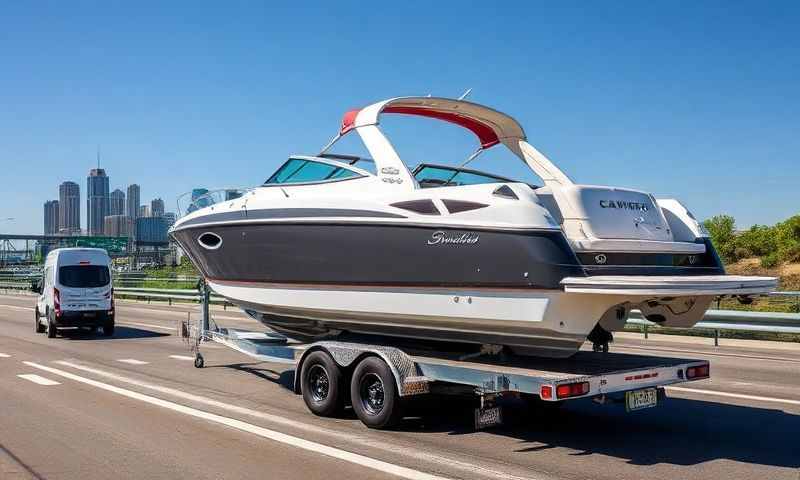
x,y
133,201
69,208
116,202
97,200
157,207
51,217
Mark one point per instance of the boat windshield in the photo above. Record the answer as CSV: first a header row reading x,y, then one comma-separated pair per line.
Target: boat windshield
x,y
430,176
300,170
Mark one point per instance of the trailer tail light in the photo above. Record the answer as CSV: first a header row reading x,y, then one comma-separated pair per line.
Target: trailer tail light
x,y
700,371
57,301
568,390
546,392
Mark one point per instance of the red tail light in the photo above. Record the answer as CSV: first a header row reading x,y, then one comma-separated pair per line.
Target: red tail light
x,y
111,310
546,392
57,301
568,390
700,371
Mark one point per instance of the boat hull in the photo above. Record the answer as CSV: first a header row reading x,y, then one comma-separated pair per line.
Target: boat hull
x,y
529,321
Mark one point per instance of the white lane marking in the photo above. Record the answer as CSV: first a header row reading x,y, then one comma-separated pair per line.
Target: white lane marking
x,y
147,325
298,442
31,377
365,440
132,361
17,307
741,396
182,357
4,355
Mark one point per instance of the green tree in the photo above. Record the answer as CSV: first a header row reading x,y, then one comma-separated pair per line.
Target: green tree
x,y
722,229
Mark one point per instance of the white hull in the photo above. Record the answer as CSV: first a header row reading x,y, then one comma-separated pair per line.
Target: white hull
x,y
540,322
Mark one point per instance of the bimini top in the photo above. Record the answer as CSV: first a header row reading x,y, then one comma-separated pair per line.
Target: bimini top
x,y
490,126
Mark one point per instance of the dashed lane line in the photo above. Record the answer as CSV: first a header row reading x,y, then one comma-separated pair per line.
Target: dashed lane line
x,y
182,357
17,307
741,396
32,377
5,355
471,469
132,361
293,441
147,325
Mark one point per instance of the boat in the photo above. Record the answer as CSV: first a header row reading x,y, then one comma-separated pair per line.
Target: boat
x,y
333,245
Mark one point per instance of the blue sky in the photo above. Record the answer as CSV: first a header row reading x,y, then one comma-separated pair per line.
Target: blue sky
x,y
696,100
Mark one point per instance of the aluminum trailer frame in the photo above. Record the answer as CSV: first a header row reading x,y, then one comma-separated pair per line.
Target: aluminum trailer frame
x,y
488,374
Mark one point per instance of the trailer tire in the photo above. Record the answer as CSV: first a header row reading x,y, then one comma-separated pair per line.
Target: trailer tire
x,y
322,385
373,391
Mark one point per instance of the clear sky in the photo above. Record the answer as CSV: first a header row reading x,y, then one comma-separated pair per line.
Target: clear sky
x,y
697,100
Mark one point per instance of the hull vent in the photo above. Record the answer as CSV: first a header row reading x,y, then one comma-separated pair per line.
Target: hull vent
x,y
424,207
456,206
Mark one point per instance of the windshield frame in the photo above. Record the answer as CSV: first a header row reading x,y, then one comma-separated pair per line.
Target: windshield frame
x,y
457,170
359,172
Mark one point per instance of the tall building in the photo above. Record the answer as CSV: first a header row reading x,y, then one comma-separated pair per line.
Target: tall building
x,y
116,202
97,201
151,231
144,211
133,201
157,207
51,217
171,218
69,208
117,226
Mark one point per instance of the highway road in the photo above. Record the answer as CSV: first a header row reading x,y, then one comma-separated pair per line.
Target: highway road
x,y
134,407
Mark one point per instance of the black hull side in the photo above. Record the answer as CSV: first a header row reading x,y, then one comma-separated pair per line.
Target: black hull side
x,y
382,254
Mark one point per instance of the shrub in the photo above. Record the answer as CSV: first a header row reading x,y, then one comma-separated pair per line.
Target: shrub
x,y
771,260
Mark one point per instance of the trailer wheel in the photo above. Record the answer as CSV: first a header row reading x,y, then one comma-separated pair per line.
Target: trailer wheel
x,y
322,385
199,361
374,394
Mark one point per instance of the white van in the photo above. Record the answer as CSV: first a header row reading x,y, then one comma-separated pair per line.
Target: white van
x,y
75,291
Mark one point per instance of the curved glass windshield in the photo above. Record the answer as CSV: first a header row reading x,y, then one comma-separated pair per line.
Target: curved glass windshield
x,y
298,170
441,176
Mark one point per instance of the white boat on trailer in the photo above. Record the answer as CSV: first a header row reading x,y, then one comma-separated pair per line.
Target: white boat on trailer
x,y
333,245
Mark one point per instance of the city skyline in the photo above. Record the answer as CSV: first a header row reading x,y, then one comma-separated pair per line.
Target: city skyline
x,y
108,213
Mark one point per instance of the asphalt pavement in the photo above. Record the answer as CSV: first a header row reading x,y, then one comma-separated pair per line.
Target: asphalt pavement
x,y
133,406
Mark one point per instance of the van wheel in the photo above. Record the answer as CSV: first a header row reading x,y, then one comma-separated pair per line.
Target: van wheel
x,y
51,326
374,394
321,384
108,329
39,326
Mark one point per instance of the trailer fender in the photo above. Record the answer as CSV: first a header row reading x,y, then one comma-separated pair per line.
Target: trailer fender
x,y
348,354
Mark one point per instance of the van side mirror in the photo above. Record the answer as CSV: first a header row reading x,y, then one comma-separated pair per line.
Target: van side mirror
x,y
36,286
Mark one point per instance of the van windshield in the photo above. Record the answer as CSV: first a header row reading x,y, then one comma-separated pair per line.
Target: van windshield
x,y
84,276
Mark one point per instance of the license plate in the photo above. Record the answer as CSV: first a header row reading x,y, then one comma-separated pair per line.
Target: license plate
x,y
90,314
488,417
641,399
